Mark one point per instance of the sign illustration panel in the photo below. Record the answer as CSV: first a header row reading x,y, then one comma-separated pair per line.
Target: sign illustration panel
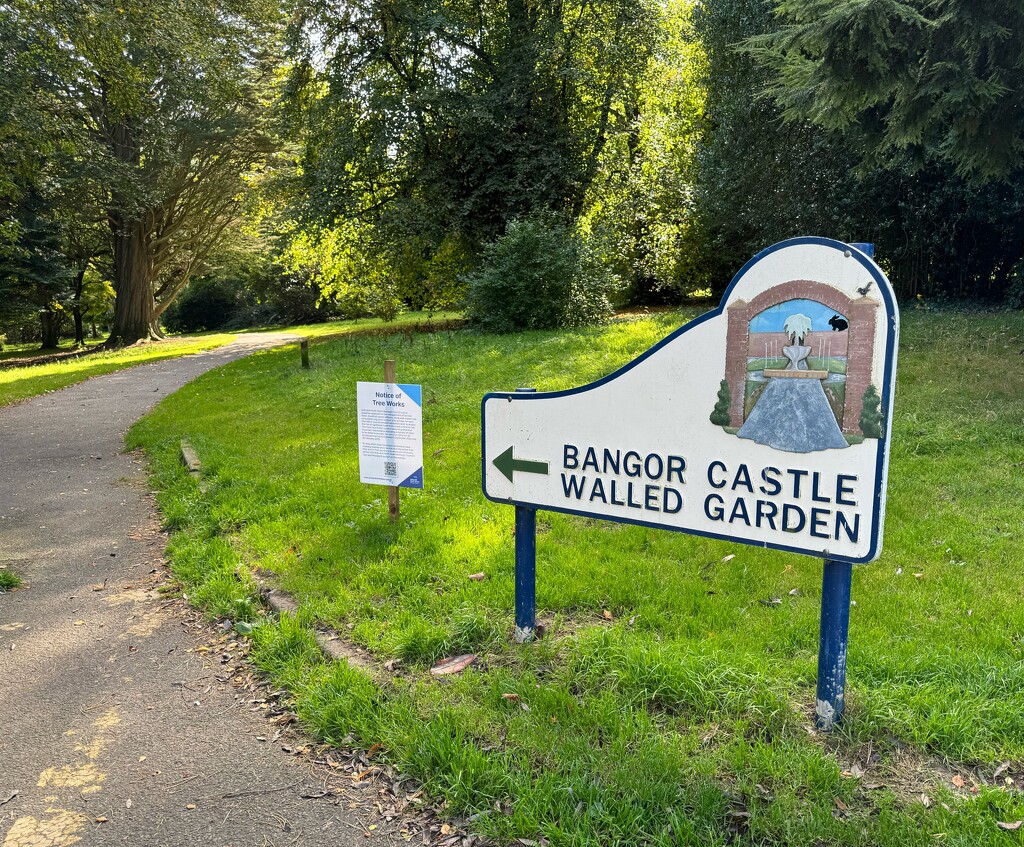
x,y
764,421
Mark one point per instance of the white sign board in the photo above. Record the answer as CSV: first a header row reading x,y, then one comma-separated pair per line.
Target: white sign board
x,y
764,421
390,434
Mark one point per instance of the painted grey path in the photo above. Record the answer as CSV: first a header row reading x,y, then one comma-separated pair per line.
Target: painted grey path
x,y
117,724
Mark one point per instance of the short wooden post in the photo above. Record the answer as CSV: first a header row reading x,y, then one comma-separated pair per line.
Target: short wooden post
x,y
304,351
393,504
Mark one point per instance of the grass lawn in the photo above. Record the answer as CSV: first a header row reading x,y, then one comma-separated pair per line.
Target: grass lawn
x,y
671,700
19,383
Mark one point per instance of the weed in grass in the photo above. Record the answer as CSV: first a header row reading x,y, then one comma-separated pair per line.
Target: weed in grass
x,y
8,580
685,719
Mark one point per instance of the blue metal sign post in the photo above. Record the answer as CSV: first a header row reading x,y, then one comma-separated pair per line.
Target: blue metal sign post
x,y
833,639
526,565
526,574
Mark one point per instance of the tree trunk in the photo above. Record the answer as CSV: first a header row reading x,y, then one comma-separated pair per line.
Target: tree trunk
x,y
134,315
76,310
134,309
50,323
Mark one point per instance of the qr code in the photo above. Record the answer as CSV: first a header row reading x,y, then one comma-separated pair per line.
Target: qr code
x,y
390,469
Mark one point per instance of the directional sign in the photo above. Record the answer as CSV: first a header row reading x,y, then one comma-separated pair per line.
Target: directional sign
x,y
508,465
764,421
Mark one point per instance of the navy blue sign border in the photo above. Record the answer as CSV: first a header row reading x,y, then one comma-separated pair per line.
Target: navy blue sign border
x,y
888,385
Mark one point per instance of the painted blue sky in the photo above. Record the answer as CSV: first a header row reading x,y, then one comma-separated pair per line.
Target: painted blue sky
x,y
773,319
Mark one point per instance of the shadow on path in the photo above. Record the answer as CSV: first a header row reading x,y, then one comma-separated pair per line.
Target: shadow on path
x,y
118,726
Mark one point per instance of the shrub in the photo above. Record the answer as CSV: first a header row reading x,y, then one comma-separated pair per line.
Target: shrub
x,y
207,303
538,276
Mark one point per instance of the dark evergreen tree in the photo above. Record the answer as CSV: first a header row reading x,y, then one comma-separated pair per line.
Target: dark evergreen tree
x,y
919,79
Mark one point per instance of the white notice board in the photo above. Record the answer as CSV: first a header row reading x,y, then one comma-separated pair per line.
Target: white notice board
x,y
390,434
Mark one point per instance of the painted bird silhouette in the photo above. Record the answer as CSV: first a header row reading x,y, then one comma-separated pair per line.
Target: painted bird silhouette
x,y
863,291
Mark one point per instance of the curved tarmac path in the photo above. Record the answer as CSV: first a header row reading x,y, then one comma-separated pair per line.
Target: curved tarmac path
x,y
114,727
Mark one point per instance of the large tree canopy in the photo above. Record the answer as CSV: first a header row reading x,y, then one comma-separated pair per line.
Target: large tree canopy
x,y
172,97
429,126
920,79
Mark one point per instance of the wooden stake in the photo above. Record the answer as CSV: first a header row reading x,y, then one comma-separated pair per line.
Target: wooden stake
x,y
304,352
389,376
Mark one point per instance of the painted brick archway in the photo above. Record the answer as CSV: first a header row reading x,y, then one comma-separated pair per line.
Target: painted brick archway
x,y
861,314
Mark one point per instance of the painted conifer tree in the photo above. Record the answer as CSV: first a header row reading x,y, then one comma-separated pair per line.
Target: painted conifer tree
x,y
871,414
720,415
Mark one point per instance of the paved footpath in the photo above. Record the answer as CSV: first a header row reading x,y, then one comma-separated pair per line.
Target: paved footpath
x,y
116,725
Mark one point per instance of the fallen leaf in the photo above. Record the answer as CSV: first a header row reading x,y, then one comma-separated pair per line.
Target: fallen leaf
x,y
477,577
456,664
102,819
926,800
1000,770
79,623
840,804
729,558
190,806
958,781
445,829
1010,826
606,615
510,696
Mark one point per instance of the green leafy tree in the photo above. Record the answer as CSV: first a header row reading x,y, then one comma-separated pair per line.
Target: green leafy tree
x,y
174,99
640,205
428,126
33,277
758,179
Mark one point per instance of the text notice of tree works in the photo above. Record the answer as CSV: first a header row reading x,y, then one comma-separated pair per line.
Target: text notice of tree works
x,y
390,434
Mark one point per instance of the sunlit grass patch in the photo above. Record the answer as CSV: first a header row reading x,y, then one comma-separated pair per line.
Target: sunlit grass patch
x,y
670,702
22,382
19,383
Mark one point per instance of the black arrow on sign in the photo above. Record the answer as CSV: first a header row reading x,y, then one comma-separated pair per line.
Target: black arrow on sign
x,y
508,465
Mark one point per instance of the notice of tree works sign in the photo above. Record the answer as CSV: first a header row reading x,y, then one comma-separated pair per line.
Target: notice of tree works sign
x,y
390,434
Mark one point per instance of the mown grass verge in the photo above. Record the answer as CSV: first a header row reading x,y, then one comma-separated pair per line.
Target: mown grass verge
x,y
685,718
